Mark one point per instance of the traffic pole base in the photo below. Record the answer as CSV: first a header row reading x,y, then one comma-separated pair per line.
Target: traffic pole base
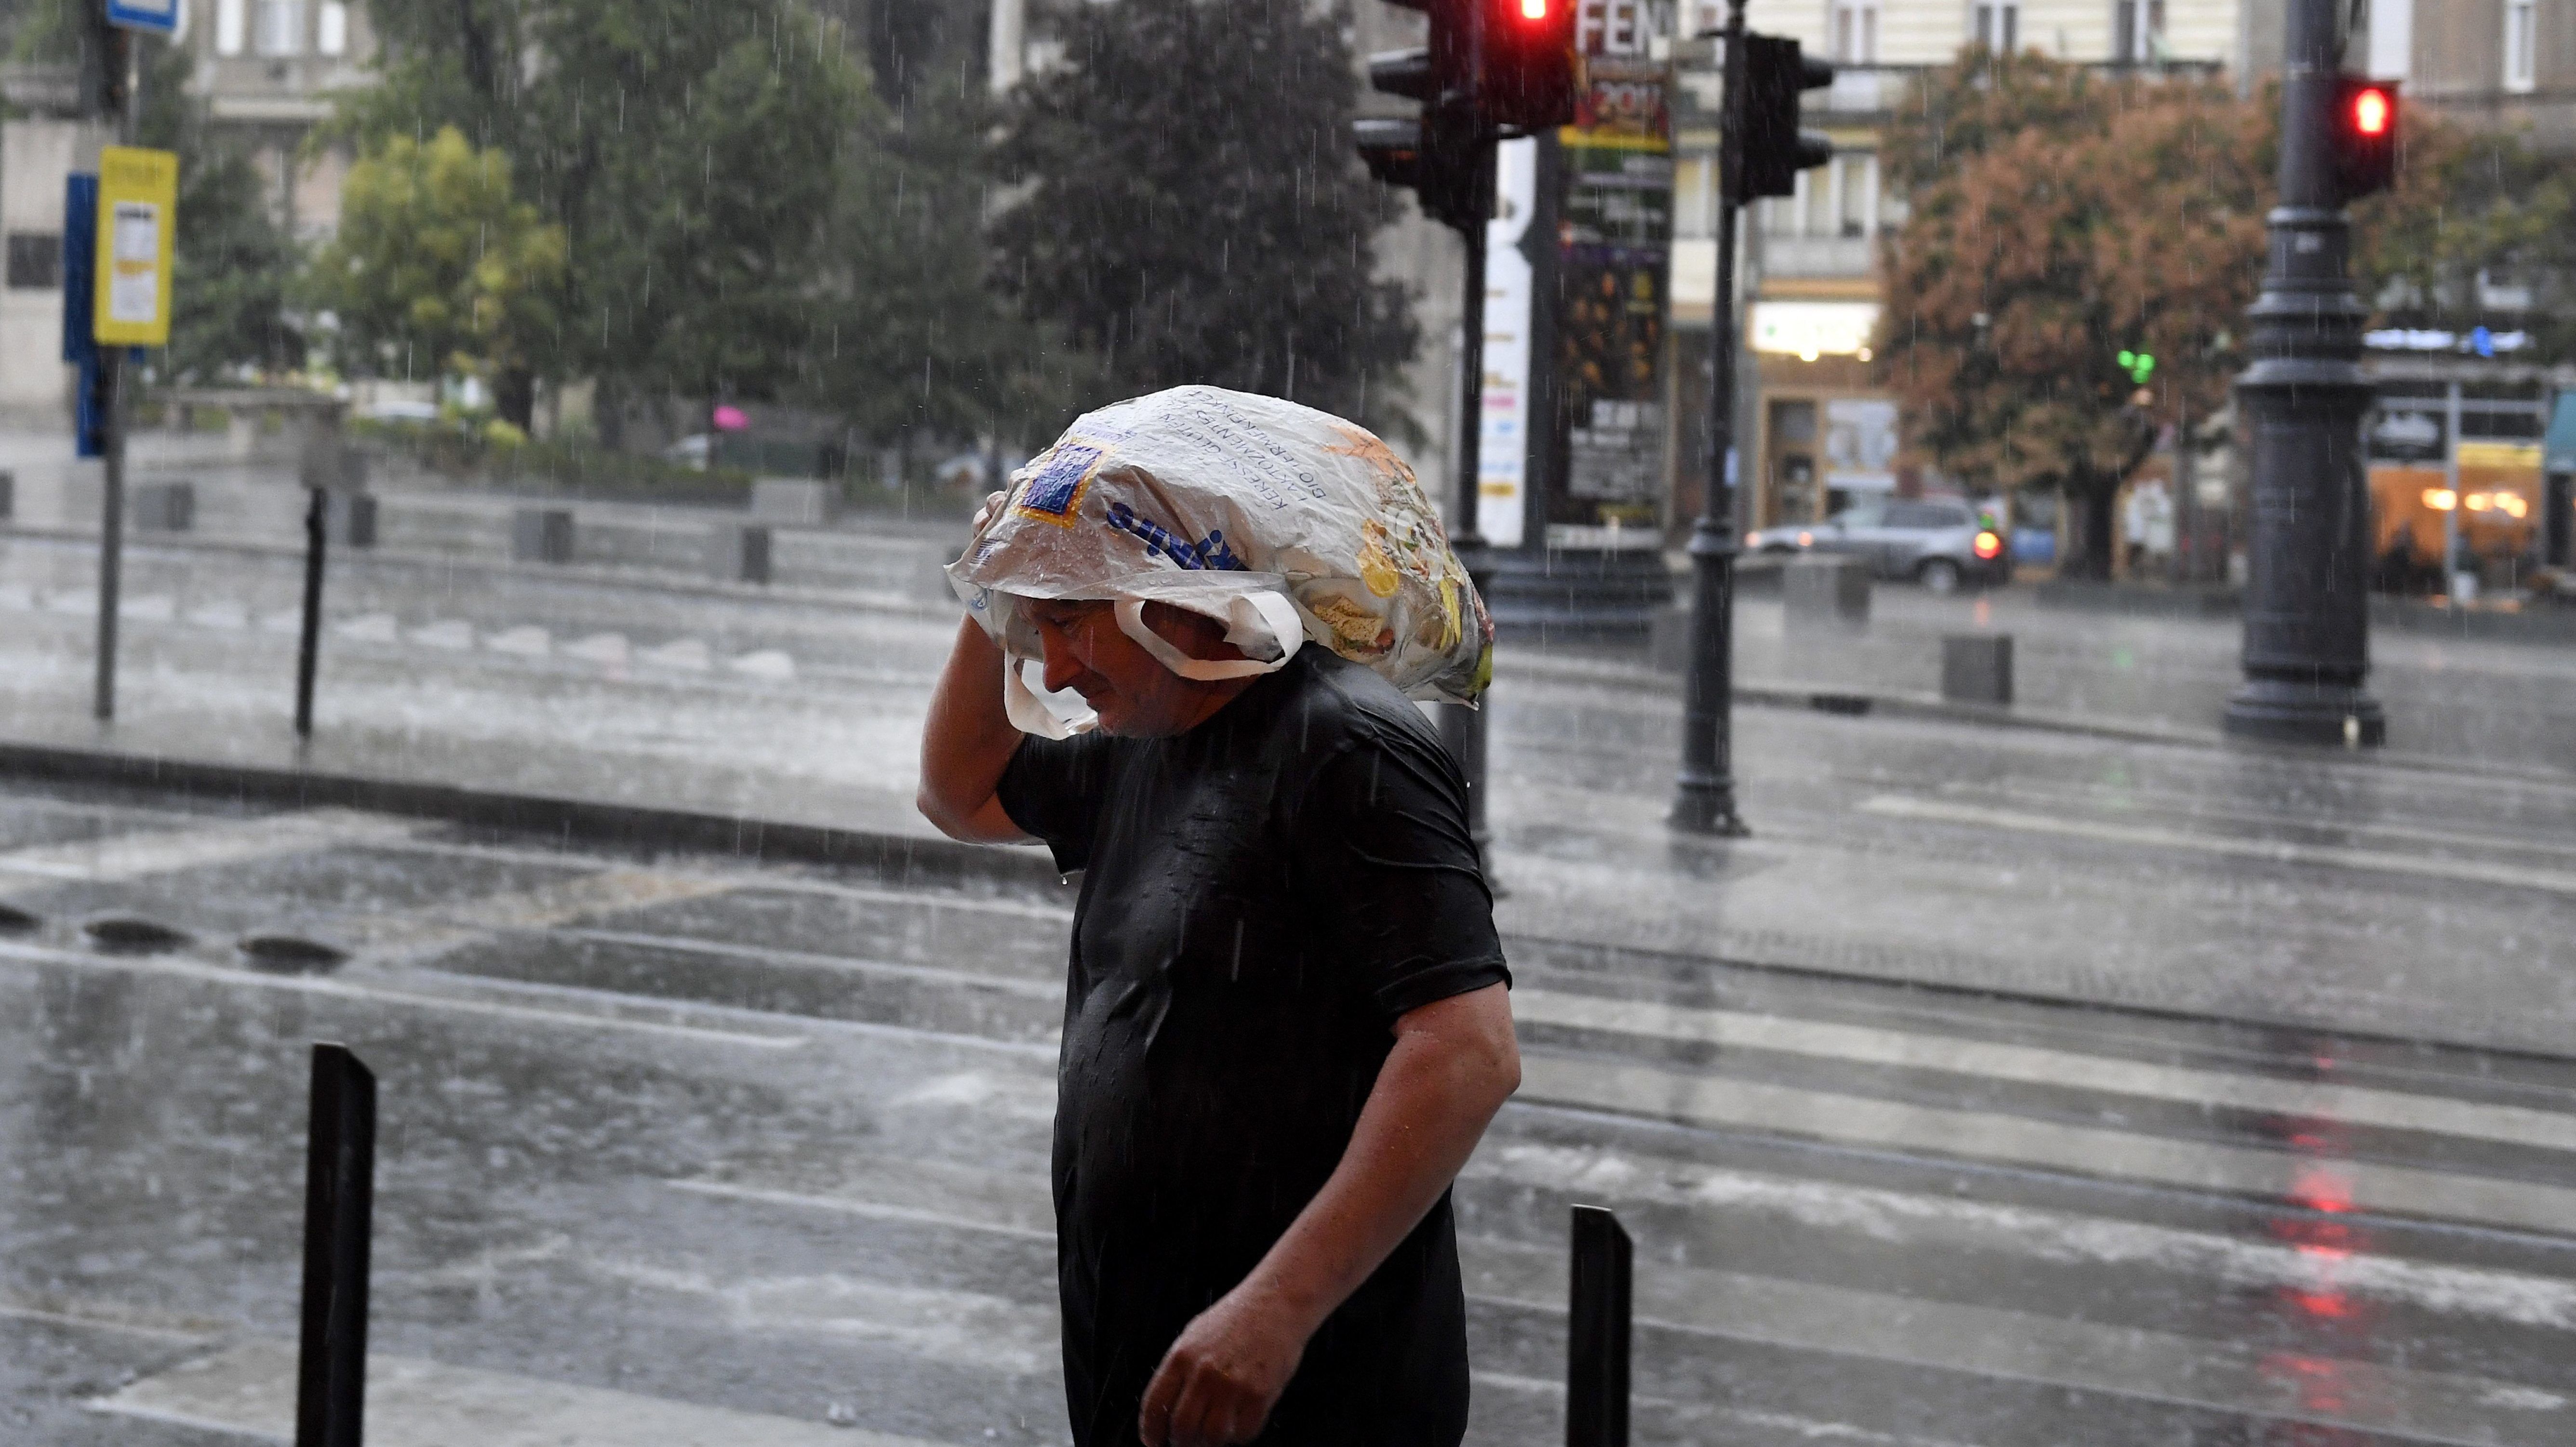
x,y
2333,715
1707,807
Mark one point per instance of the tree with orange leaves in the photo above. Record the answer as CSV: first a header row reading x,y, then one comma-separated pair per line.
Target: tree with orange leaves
x,y
2059,218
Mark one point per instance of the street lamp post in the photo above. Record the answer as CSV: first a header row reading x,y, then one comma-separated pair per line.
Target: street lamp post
x,y
1705,801
2307,615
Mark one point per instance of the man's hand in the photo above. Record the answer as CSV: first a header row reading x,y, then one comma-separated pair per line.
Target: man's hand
x,y
1225,1372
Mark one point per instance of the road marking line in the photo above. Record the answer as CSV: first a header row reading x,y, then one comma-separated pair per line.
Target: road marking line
x,y
92,1322
162,851
411,1402
2098,799
342,989
1977,1340
2001,1344
452,922
1048,990
856,1206
2048,1145
2272,851
1875,1045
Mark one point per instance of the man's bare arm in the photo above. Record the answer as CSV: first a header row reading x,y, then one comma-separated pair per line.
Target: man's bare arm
x,y
966,742
1454,1063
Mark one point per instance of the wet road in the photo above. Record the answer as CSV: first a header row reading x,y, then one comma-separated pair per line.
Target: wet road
x,y
678,1149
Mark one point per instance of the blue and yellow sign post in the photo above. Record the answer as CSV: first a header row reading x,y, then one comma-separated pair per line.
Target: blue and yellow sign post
x,y
125,226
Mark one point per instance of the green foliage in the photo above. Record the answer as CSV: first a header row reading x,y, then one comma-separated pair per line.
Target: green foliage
x,y
232,263
2057,221
743,219
437,268
1194,212
2468,203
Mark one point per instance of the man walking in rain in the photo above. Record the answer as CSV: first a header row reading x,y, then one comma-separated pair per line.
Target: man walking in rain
x,y
1287,1022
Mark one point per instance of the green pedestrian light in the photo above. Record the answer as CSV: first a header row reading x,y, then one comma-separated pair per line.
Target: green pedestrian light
x,y
2139,365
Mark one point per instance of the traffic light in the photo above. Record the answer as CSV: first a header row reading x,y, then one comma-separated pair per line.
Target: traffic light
x,y
1436,157
2365,136
1524,77
2139,365
1775,150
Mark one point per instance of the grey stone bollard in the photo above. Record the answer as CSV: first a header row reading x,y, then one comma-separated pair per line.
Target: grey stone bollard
x,y
796,502
1822,593
541,535
164,507
353,518
8,495
1977,668
739,553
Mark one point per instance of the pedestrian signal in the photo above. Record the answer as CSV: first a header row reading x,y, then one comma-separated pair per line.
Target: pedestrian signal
x,y
1776,71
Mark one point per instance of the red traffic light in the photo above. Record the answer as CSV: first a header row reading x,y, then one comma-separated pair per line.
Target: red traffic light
x,y
2364,136
1533,9
1988,545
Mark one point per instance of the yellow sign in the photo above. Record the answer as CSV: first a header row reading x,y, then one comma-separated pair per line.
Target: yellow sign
x,y
138,209
2516,456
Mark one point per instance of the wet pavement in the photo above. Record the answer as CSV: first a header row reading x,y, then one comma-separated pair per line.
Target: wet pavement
x,y
2404,893
680,1148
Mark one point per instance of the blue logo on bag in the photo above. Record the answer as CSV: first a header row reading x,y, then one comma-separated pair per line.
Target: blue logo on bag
x,y
1209,554
1055,494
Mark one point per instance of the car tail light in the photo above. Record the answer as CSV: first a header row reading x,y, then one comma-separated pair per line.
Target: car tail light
x,y
1989,546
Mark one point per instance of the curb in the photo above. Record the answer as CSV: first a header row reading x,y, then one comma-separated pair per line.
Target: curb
x,y
1856,702
893,858
589,573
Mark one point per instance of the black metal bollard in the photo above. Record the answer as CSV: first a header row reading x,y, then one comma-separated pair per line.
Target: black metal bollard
x,y
1596,1377
339,1202
317,518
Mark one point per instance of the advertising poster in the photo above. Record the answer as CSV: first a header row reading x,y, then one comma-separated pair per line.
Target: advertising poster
x,y
1614,241
1502,457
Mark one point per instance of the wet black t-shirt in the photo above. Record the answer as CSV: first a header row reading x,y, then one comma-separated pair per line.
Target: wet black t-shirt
x,y
1263,896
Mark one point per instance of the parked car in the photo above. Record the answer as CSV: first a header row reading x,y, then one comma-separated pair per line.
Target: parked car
x,y
1938,544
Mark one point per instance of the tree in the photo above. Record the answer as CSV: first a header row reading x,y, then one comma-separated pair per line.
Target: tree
x,y
1194,212
2470,208
437,266
232,263
2057,220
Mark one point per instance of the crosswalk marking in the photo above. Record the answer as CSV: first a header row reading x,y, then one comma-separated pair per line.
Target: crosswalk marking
x,y
249,1390
2275,851
1874,1045
138,853
1997,1343
2049,1145
1984,1341
183,968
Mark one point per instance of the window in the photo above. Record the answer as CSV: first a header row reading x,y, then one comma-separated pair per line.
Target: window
x,y
1998,26
35,260
231,25
2521,44
2138,32
281,27
331,29
1856,34
1856,186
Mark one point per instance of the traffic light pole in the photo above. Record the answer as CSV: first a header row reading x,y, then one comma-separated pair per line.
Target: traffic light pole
x,y
2307,613
1463,728
1705,803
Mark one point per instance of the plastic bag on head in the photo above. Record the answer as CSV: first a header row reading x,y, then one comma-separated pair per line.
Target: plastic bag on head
x,y
1286,524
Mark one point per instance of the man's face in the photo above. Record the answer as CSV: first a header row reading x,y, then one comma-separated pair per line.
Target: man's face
x,y
1134,694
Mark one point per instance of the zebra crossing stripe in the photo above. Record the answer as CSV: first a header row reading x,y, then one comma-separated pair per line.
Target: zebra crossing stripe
x,y
1875,1045
249,1390
2048,1145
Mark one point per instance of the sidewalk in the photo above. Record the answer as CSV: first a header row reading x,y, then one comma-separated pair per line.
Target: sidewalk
x,y
2355,893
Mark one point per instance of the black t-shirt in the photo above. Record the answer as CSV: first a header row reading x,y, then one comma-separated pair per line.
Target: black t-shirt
x,y
1262,897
